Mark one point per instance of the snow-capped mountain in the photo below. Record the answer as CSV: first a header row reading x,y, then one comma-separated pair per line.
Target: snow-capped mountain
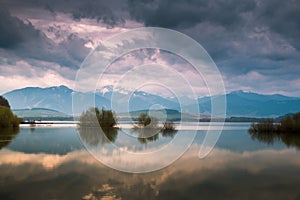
x,y
58,98
239,103
249,104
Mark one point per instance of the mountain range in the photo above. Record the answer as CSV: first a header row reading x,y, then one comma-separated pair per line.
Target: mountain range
x,y
239,103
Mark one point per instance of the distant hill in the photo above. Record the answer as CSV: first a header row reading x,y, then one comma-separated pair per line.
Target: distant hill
x,y
239,103
168,114
39,112
248,104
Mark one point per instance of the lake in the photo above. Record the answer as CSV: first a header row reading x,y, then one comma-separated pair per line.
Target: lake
x,y
57,162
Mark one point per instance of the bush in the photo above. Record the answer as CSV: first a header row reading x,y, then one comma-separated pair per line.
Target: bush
x,y
7,118
289,124
145,121
265,126
4,102
91,119
94,117
168,126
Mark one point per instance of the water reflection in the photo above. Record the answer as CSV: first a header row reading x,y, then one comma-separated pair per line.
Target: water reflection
x,y
265,174
7,135
268,138
94,135
146,135
46,161
145,140
49,140
168,133
289,139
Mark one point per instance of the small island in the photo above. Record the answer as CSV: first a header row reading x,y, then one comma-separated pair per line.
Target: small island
x,y
90,121
289,124
145,121
148,128
95,117
287,130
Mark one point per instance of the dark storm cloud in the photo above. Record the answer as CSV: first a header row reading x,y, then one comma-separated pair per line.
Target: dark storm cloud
x,y
179,13
13,31
259,37
108,12
243,37
282,17
27,42
24,40
232,20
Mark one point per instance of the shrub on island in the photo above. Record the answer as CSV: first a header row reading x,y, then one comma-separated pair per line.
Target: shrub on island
x,y
288,125
94,117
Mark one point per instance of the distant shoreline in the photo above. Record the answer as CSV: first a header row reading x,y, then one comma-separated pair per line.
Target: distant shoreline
x,y
183,126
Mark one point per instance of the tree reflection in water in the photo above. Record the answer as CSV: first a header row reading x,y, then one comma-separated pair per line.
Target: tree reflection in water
x,y
144,140
7,135
168,133
146,135
265,137
289,139
95,135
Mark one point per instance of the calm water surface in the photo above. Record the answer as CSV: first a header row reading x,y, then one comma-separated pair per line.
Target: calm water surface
x,y
52,163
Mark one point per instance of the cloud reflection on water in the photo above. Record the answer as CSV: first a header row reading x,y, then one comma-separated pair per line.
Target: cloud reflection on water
x,y
223,174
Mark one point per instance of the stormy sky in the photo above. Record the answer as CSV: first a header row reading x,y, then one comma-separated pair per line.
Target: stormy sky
x,y
254,43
